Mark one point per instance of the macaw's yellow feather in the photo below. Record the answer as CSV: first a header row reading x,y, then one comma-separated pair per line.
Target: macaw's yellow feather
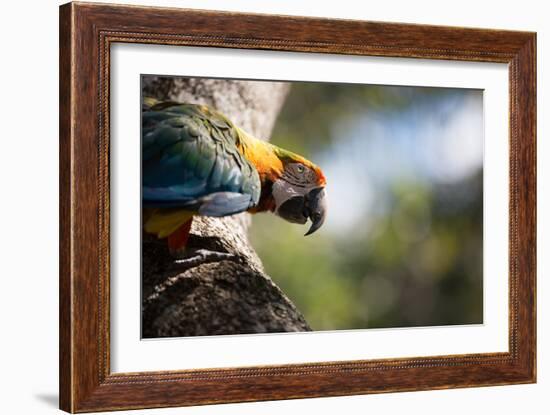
x,y
163,222
270,160
262,155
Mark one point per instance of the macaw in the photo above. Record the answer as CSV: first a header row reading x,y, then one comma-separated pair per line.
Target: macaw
x,y
195,161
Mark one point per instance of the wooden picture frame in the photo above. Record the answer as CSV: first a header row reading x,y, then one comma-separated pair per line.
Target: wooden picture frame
x,y
86,33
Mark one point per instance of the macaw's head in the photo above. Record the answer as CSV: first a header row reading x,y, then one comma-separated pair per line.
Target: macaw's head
x,y
299,191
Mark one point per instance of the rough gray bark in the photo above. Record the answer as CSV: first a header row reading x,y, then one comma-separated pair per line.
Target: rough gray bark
x,y
224,297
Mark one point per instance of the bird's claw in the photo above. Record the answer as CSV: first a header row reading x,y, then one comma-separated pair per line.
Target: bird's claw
x,y
204,256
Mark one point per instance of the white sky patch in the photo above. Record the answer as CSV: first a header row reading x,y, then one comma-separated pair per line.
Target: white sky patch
x,y
349,198
459,146
429,143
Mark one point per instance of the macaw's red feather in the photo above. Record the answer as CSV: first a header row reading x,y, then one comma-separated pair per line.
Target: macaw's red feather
x,y
266,202
178,239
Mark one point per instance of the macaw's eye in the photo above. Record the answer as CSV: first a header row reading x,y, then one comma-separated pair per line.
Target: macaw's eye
x,y
300,168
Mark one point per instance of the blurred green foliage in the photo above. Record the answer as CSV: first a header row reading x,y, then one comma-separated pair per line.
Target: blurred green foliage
x,y
418,263
312,110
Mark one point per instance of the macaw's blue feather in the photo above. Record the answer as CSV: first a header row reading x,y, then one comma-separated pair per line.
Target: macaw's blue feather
x,y
224,203
190,160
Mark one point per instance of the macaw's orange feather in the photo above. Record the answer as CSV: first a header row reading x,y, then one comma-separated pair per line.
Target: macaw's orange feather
x,y
262,155
270,160
178,239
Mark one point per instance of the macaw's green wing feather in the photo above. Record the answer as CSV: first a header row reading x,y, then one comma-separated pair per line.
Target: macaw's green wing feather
x,y
190,160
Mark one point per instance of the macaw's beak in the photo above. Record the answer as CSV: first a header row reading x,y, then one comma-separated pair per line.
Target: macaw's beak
x,y
315,208
310,205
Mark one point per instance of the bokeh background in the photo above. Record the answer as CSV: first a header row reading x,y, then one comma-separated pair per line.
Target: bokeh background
x,y
402,245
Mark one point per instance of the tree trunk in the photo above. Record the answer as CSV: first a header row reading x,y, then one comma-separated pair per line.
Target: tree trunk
x,y
224,297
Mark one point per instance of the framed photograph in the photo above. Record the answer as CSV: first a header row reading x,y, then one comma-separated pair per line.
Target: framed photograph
x,y
259,207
